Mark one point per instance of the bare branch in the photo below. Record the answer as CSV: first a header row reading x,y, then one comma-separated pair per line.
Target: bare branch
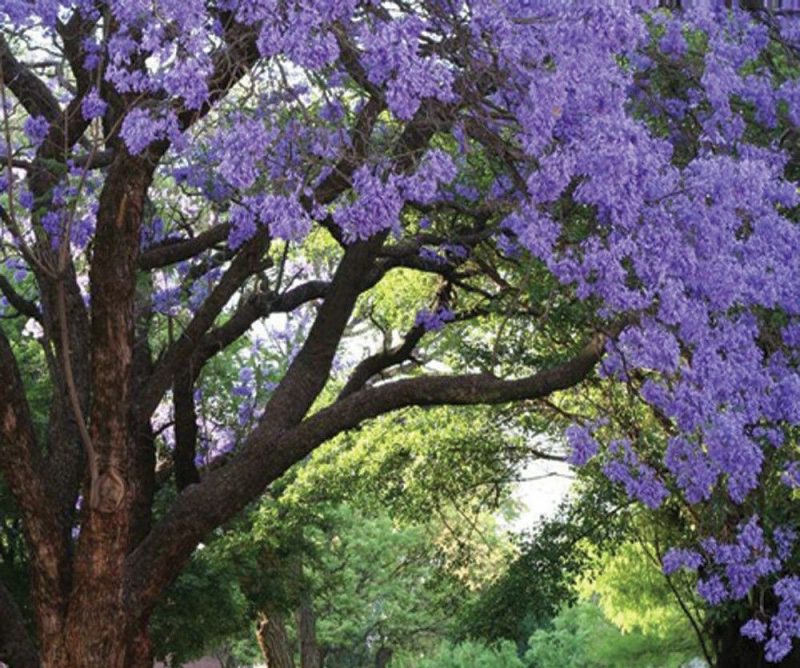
x,y
375,364
16,300
172,251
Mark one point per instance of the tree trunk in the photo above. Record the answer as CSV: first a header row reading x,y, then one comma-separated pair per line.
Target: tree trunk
x,y
273,641
15,648
736,651
83,617
310,654
383,657
139,653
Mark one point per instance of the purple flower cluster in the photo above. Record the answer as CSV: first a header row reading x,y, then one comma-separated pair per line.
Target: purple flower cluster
x,y
730,570
392,56
583,445
141,128
434,321
639,479
93,106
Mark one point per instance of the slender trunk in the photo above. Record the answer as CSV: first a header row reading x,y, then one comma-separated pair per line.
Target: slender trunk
x,y
383,657
273,640
310,655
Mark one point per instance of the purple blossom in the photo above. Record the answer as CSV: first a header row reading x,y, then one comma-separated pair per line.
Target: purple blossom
x,y
677,558
93,106
167,301
376,208
141,128
639,479
243,225
673,42
583,445
713,590
754,629
434,321
36,129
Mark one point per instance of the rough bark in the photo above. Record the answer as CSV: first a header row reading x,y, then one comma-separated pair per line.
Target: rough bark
x,y
96,633
23,472
310,654
273,640
139,653
16,648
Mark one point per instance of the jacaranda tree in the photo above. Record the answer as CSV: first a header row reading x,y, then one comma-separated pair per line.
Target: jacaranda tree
x,y
612,181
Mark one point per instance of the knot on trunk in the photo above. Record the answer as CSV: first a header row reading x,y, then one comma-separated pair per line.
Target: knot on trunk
x,y
108,492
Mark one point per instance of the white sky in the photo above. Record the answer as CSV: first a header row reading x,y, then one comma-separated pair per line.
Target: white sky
x,y
544,484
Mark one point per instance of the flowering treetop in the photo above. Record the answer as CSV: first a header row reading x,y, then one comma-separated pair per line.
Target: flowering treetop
x,y
169,165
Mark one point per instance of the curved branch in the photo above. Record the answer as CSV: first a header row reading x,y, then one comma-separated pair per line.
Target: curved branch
x,y
19,302
269,452
374,364
249,311
172,251
29,89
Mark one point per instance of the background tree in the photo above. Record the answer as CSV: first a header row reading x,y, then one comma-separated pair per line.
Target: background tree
x,y
337,559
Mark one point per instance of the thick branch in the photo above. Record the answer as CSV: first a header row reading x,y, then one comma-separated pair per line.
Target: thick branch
x,y
16,300
457,390
267,455
309,371
31,91
173,251
73,33
248,261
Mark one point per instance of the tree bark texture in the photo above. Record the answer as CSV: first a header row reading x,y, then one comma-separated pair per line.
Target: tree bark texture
x,y
310,654
273,640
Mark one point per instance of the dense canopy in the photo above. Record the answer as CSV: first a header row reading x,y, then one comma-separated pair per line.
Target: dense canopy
x,y
331,189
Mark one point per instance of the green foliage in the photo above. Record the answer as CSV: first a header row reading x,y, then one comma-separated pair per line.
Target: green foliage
x,y
395,462
542,578
395,301
202,610
357,530
634,594
378,579
466,655
582,637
